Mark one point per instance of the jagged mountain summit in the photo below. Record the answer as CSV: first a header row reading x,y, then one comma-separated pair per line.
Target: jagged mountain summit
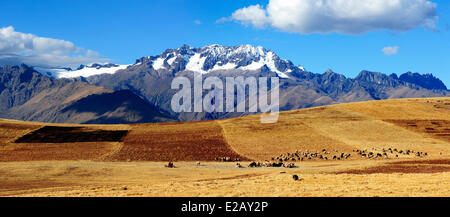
x,y
216,58
149,79
186,58
427,81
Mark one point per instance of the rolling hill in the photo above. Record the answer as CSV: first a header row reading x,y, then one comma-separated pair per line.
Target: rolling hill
x,y
421,125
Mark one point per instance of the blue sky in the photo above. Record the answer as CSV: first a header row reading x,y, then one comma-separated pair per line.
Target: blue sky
x,y
126,30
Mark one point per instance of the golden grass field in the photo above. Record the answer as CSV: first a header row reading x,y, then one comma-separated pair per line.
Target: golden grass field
x,y
134,166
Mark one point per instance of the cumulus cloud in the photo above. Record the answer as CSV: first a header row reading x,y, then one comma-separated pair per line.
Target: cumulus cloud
x,y
254,15
197,22
17,48
341,16
389,51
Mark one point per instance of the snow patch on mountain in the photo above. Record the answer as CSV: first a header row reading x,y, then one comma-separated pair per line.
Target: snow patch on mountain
x,y
82,71
158,64
171,60
269,61
196,63
228,66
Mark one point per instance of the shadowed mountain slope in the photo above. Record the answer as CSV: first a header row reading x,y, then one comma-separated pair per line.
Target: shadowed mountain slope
x,y
25,94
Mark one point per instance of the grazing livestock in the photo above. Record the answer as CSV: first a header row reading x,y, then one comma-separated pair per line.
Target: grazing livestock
x,y
227,159
252,164
324,154
288,165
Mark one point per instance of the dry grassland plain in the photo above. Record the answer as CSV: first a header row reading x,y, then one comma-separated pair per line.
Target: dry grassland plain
x,y
133,165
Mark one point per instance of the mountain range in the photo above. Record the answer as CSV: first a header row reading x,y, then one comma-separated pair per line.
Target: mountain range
x,y
141,92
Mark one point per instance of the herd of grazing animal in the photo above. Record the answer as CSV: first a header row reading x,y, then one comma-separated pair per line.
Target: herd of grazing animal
x,y
385,153
272,164
227,159
312,155
388,153
285,160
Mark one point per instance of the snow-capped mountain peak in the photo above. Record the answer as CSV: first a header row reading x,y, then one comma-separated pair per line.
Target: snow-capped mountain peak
x,y
216,57
187,58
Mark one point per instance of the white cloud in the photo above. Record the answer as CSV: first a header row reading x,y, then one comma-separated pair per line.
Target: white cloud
x,y
17,48
197,22
254,15
341,16
389,51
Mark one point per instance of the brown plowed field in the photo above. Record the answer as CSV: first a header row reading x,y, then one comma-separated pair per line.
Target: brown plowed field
x,y
175,141
190,141
439,129
437,161
400,168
